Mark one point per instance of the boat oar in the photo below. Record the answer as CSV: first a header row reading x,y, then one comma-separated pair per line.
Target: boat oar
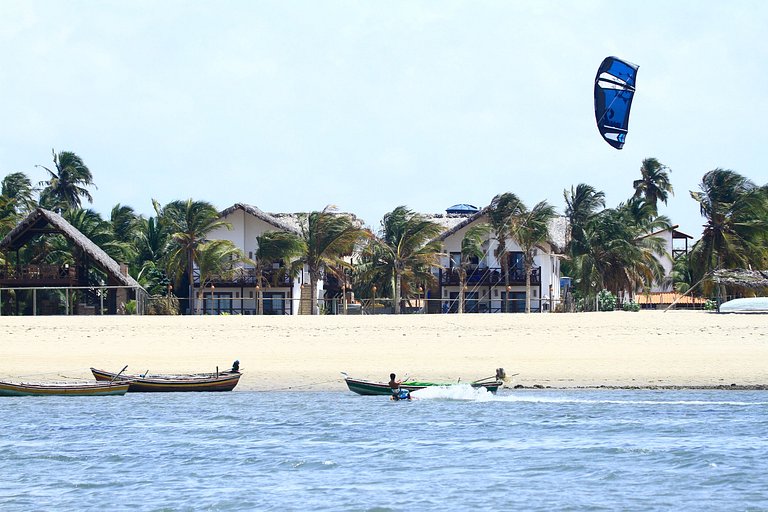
x,y
118,374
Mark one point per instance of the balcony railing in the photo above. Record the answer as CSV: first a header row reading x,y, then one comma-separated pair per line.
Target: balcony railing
x,y
37,275
489,276
247,277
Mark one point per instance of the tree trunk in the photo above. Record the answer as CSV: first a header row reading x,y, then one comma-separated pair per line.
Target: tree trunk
x,y
528,268
314,277
398,284
462,284
190,275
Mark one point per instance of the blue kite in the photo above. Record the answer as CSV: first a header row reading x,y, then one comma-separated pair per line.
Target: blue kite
x,y
614,89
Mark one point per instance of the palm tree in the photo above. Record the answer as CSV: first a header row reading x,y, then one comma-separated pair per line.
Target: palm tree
x,y
151,250
327,237
530,228
18,188
502,207
471,249
620,254
736,213
275,246
215,259
406,247
581,205
66,185
654,184
16,200
188,223
98,231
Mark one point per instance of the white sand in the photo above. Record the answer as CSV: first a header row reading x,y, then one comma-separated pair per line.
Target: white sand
x,y
650,348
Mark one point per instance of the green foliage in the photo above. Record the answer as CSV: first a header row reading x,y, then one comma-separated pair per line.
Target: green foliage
x,y
736,230
710,305
327,238
654,185
631,306
130,307
401,257
606,301
66,186
510,218
163,305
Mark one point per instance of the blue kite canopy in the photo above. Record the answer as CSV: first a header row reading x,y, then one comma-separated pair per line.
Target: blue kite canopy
x,y
614,89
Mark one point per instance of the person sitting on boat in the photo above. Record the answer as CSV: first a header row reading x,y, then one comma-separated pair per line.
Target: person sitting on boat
x,y
236,366
394,384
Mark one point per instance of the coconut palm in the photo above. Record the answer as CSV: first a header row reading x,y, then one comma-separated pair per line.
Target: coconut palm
x,y
502,207
619,254
471,250
16,200
654,184
581,205
18,188
66,186
406,249
530,228
327,238
187,224
736,213
275,246
98,231
215,259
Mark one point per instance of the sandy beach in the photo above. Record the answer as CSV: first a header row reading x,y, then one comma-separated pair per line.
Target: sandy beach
x,y
645,349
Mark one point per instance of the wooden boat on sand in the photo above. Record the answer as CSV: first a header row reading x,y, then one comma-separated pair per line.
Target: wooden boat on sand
x,y
218,381
365,387
63,389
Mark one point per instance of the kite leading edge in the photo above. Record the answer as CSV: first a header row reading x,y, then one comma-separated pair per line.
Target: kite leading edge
x,y
614,89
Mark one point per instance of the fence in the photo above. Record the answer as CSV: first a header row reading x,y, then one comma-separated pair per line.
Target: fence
x,y
104,300
337,306
72,300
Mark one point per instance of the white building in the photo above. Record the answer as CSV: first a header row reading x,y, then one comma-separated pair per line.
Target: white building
x,y
675,245
486,288
276,293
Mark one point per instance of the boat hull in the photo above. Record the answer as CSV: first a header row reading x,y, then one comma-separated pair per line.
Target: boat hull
x,y
364,387
90,389
173,383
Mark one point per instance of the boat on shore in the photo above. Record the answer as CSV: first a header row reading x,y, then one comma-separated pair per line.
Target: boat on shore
x,y
366,387
63,389
745,305
146,383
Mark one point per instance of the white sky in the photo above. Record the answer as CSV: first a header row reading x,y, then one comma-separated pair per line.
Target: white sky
x,y
293,105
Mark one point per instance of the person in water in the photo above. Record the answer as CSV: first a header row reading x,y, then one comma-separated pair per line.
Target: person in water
x,y
397,392
394,384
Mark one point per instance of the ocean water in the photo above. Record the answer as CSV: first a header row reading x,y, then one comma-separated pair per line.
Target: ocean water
x,y
450,449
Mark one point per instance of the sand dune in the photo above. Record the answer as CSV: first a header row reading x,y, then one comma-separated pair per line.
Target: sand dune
x,y
649,348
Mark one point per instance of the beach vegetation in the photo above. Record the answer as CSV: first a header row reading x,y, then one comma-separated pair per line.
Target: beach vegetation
x,y
654,185
328,240
17,199
630,305
606,301
472,250
528,227
67,183
400,258
617,248
188,224
130,307
216,260
736,225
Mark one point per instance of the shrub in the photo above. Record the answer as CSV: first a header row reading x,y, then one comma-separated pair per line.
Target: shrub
x,y
631,306
130,307
606,301
710,305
